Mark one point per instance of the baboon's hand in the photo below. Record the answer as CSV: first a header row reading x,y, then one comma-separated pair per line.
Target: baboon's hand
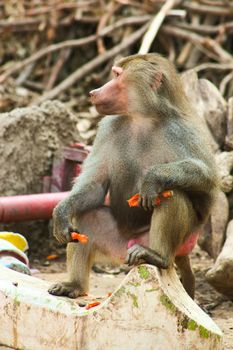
x,y
61,221
135,255
148,193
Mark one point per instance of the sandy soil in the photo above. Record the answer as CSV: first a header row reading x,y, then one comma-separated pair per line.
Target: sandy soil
x,y
215,304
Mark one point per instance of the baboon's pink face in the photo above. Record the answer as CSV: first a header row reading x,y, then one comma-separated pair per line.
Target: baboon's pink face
x,y
112,98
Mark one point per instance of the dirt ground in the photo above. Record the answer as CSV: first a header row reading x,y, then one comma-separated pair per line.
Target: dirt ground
x,y
216,305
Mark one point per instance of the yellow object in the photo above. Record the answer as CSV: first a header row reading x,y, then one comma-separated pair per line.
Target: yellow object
x,y
16,239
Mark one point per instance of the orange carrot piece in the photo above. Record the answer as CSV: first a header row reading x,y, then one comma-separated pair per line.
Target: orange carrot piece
x,y
133,201
167,194
158,201
79,237
52,257
89,306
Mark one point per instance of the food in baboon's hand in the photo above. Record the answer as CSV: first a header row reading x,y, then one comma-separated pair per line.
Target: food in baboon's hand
x,y
134,201
79,237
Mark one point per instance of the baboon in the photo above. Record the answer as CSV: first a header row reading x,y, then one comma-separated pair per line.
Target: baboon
x,y
148,142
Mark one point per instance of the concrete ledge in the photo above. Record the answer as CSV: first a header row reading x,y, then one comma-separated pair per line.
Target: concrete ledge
x,y
149,310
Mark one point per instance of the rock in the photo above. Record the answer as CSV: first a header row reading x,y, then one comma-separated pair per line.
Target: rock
x,y
224,162
220,275
83,125
214,110
210,107
229,136
214,231
28,139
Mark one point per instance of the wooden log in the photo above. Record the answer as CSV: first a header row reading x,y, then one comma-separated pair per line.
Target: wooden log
x,y
150,309
220,275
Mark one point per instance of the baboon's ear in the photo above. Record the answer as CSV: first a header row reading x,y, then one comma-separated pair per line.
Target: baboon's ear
x,y
157,81
117,71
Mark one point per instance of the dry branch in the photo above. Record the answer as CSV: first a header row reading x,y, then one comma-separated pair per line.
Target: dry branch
x,y
206,29
210,9
155,25
207,43
88,67
64,55
226,80
102,23
71,43
214,66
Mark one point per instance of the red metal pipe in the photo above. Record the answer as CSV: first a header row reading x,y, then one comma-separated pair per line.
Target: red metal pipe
x,y
29,207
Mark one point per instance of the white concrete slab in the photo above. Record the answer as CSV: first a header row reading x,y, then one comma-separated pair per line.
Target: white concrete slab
x,y
149,310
